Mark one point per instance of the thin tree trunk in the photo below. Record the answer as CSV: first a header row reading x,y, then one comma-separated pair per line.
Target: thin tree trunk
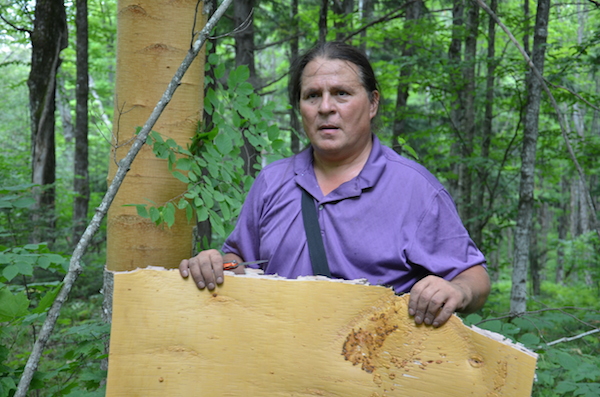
x,y
203,232
468,126
455,79
81,184
323,21
518,299
366,11
295,126
342,8
244,55
414,12
48,39
563,227
487,128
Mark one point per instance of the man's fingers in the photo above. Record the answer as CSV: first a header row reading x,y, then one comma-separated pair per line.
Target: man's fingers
x,y
184,268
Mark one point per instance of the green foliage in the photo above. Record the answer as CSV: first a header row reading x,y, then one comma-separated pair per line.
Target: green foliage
x,y
29,284
555,328
212,166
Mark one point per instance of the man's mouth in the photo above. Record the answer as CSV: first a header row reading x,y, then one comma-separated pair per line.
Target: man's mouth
x,y
328,127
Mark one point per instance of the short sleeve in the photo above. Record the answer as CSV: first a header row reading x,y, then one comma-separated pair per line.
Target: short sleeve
x,y
442,244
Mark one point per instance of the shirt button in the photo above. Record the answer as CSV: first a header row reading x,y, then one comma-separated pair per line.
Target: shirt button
x,y
320,207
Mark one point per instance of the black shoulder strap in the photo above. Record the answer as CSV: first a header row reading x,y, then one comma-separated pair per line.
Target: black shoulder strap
x,y
318,258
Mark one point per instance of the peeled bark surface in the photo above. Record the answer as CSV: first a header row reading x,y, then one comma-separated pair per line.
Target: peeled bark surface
x,y
154,38
267,336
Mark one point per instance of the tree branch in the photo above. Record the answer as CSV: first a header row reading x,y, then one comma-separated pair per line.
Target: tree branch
x,y
74,265
570,338
561,121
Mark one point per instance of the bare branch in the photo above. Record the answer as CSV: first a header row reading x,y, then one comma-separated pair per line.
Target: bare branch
x,y
75,268
568,339
18,29
238,29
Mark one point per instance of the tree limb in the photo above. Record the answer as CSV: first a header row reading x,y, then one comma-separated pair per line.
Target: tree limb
x,y
75,268
561,121
570,338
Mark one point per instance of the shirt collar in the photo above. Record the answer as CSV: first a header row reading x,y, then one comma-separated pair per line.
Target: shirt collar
x,y
368,177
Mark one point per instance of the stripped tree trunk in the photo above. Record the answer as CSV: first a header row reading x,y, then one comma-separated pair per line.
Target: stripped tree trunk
x,y
153,39
518,297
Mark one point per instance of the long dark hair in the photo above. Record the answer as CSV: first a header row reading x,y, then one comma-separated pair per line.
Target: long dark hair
x,y
331,50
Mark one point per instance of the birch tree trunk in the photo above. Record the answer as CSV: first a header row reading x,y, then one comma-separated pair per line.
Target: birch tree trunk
x,y
154,38
518,297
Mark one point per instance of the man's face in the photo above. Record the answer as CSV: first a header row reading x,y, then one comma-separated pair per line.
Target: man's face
x,y
335,108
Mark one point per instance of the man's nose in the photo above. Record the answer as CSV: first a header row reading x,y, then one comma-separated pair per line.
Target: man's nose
x,y
326,105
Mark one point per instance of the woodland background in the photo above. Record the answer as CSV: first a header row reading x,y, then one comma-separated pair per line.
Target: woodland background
x,y
457,95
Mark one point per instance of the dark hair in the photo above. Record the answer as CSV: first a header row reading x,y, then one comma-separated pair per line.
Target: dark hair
x,y
331,50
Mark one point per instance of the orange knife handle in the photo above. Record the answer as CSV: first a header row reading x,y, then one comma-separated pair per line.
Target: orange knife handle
x,y
230,265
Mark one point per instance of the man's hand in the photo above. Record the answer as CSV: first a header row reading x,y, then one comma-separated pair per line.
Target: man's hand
x,y
433,300
206,268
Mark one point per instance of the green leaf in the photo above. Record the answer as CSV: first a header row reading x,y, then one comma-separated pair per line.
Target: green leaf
x,y
473,319
12,306
23,202
25,267
529,340
238,75
44,262
184,164
494,326
567,361
273,132
220,71
213,59
217,223
244,88
225,210
564,387
154,215
201,214
47,300
10,272
142,211
189,213
224,144
181,177
169,214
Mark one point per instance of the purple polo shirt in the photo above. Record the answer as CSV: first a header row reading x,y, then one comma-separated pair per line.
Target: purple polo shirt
x,y
393,224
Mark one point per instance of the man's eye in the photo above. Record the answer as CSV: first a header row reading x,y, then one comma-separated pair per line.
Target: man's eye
x,y
342,93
